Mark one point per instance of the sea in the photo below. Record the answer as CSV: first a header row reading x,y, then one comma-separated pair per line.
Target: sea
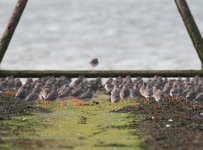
x,y
122,34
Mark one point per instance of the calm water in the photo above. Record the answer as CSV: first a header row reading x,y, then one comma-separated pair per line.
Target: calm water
x,y
123,34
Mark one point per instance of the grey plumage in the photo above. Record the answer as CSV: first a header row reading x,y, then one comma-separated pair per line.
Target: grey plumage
x,y
191,95
143,87
94,62
199,99
108,87
18,84
148,91
135,93
88,95
77,92
66,93
44,92
32,96
158,94
115,95
51,96
21,93
125,92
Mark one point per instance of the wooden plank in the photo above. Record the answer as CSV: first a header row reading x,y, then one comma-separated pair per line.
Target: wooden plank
x,y
101,73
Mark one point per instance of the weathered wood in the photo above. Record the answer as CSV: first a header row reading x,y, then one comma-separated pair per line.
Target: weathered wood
x,y
101,73
10,29
191,26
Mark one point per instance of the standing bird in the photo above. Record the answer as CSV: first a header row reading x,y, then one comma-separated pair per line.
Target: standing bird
x,y
21,93
33,96
174,92
115,96
135,94
158,95
76,93
148,93
108,87
143,87
199,100
51,96
191,95
125,93
43,94
65,94
18,84
94,62
87,96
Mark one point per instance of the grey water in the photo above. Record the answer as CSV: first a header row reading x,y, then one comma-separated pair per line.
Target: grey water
x,y
123,34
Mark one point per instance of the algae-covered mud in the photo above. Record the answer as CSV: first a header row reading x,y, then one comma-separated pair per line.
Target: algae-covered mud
x,y
173,125
93,127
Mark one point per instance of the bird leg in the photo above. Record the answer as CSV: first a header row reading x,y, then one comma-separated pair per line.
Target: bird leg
x,y
146,100
63,103
126,102
88,104
113,105
190,103
93,69
122,101
170,98
76,101
158,104
43,101
46,103
178,99
116,107
135,102
82,104
53,104
73,101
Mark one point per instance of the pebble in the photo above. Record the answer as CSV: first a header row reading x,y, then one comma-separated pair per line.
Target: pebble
x,y
24,119
170,120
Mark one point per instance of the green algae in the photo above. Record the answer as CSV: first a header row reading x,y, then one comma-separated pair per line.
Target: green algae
x,y
95,127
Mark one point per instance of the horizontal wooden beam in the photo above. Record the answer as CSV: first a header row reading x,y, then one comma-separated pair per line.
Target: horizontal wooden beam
x,y
101,73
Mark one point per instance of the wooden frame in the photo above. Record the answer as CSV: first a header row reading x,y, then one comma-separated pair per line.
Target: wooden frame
x,y
184,11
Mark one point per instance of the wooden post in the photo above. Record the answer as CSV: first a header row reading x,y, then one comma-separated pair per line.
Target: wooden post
x,y
101,73
10,29
191,26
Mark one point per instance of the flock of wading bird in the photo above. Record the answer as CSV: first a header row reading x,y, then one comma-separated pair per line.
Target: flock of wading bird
x,y
120,90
